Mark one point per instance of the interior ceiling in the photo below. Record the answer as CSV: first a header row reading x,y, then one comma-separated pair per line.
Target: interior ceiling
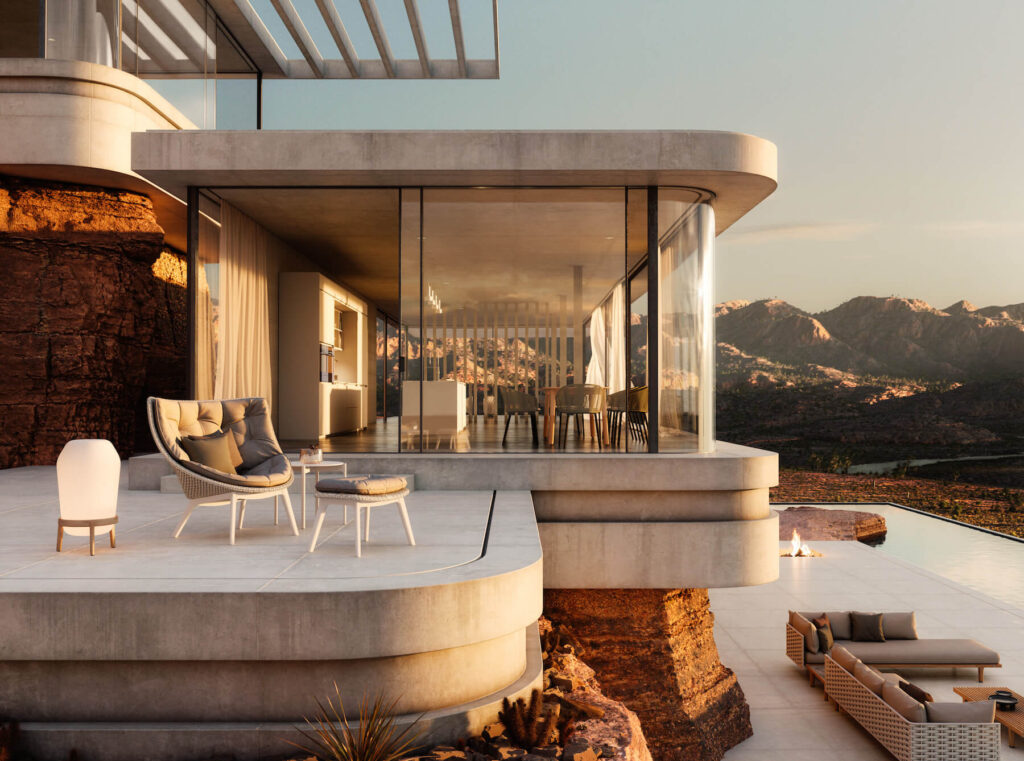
x,y
484,249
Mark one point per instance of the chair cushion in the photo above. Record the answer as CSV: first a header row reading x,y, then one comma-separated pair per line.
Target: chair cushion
x,y
213,451
870,678
275,471
844,658
899,625
905,706
866,627
807,629
925,651
972,712
368,485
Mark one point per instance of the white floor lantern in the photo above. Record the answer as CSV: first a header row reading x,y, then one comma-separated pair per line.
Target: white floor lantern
x,y
88,473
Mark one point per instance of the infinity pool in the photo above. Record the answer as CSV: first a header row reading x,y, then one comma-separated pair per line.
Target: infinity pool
x,y
986,562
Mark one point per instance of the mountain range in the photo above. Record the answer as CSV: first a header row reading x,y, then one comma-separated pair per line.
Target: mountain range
x,y
895,337
874,378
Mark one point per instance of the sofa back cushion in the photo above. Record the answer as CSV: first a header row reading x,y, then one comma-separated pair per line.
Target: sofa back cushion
x,y
839,620
973,712
905,706
866,627
844,658
870,678
806,628
899,625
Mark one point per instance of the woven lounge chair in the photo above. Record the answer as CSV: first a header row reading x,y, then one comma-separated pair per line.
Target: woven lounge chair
x,y
264,471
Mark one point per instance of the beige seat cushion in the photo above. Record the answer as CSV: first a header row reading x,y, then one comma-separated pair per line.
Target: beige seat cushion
x,y
367,485
870,678
260,461
906,706
844,657
926,651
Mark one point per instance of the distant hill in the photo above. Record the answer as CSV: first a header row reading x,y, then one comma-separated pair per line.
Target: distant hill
x,y
897,337
874,378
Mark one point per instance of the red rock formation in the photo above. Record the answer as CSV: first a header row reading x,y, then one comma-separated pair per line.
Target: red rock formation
x,y
88,329
820,523
654,651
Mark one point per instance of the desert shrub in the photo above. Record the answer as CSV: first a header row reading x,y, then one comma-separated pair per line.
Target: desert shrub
x,y
377,738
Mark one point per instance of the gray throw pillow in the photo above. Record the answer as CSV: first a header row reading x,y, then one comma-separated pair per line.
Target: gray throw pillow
x,y
839,621
213,451
899,625
973,712
807,629
866,627
844,658
905,706
870,678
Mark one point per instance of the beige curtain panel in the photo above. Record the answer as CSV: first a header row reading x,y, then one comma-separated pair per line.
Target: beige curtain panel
x,y
243,359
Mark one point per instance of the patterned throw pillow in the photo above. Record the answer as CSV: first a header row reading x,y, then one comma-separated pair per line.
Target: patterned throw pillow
x,y
825,638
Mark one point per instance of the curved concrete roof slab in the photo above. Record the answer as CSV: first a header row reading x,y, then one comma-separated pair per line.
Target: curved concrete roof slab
x,y
740,170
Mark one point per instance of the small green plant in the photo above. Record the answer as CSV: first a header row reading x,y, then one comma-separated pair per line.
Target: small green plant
x,y
377,738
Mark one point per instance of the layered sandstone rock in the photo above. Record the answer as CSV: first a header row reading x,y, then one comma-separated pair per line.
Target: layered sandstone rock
x,y
825,524
88,329
654,650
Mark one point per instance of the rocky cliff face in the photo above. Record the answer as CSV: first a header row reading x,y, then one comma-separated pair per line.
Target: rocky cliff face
x,y
654,650
90,323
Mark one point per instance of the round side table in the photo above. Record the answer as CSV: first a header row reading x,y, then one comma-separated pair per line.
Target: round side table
x,y
317,468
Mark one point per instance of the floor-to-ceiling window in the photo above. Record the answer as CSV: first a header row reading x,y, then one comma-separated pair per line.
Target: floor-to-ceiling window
x,y
494,319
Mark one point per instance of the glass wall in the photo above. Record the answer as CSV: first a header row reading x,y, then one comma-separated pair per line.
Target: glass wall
x,y
499,319
686,330
180,45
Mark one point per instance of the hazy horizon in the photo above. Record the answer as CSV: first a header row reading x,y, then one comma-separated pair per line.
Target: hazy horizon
x,y
897,123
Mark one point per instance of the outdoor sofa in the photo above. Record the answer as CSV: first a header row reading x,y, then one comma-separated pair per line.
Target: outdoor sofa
x,y
900,648
909,729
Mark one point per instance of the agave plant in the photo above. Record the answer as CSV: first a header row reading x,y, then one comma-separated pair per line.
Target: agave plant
x,y
376,738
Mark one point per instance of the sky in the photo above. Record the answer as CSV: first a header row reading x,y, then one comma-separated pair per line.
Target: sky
x,y
899,124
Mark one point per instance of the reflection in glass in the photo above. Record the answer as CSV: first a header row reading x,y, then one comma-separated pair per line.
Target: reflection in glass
x,y
685,324
523,291
208,298
411,344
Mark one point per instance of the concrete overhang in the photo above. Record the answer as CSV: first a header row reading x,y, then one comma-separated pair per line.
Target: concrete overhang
x,y
740,170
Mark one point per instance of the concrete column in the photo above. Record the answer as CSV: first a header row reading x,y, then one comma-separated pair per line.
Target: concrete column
x,y
562,344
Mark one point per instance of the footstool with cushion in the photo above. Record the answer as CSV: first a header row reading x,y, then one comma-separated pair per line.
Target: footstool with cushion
x,y
361,492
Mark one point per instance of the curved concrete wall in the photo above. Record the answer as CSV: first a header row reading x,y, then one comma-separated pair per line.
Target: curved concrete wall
x,y
254,690
76,115
660,555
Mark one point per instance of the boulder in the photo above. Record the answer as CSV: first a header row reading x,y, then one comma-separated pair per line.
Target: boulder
x,y
818,523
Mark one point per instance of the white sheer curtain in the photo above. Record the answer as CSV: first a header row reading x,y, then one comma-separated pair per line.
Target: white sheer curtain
x,y
608,342
243,359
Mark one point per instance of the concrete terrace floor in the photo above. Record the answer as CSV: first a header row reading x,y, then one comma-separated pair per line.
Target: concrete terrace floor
x,y
449,527
791,720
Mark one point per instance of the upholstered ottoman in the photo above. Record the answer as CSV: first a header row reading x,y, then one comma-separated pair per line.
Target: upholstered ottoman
x,y
362,493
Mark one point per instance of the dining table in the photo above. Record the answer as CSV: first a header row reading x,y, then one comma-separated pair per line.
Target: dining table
x,y
550,392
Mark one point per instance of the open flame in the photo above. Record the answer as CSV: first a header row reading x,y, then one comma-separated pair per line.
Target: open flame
x,y
798,550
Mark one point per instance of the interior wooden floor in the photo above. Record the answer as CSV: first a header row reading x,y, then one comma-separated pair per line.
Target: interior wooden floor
x,y
481,435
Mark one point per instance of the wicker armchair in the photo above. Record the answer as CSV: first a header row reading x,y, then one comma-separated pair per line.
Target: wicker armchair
x,y
264,472
519,403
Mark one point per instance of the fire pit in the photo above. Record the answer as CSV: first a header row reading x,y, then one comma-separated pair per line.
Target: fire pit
x,y
798,550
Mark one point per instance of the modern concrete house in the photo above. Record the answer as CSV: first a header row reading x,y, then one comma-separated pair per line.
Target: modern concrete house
x,y
395,295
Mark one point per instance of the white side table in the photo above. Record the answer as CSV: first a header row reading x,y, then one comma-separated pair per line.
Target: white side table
x,y
316,467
